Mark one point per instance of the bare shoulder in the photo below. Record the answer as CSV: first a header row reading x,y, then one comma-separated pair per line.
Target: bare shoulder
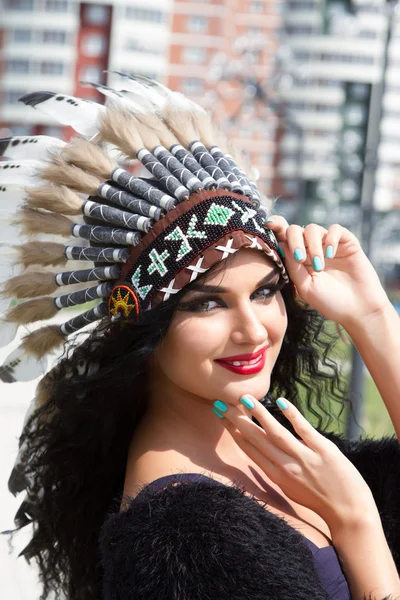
x,y
151,465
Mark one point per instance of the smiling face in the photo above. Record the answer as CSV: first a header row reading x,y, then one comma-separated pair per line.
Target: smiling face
x,y
244,315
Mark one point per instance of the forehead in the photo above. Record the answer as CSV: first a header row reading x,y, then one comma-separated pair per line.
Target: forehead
x,y
246,264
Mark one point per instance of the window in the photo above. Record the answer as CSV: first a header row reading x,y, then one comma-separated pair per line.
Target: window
x,y
21,129
22,36
53,131
355,115
94,45
16,65
144,14
12,97
22,5
194,54
197,24
96,14
51,68
368,34
190,85
54,37
60,6
135,45
257,6
92,74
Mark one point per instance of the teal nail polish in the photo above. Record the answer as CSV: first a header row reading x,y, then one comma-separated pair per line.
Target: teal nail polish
x,y
298,254
222,407
281,402
329,252
270,220
317,263
247,402
220,415
281,252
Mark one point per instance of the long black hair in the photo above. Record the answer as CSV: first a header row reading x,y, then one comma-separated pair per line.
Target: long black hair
x,y
91,403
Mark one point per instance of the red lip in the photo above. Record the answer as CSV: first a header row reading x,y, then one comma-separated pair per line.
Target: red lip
x,y
246,369
243,356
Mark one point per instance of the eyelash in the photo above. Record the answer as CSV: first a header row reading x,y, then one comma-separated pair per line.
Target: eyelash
x,y
194,304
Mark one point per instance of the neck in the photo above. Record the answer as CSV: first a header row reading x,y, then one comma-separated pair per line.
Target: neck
x,y
176,420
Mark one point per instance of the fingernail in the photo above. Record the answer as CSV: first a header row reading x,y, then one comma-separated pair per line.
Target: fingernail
x,y
270,220
317,263
298,254
281,402
247,402
221,406
329,252
220,415
281,252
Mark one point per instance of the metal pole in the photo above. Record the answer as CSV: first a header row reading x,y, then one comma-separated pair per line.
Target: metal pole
x,y
357,386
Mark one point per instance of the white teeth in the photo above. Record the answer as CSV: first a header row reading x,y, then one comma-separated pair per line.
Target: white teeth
x,y
237,363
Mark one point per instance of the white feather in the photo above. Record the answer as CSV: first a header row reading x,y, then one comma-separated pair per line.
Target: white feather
x,y
141,93
8,331
29,147
21,172
5,303
81,115
19,366
118,99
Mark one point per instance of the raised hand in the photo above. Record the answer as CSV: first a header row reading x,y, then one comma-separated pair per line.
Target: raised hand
x,y
330,270
312,471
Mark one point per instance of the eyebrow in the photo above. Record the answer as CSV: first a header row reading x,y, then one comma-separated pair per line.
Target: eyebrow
x,y
201,287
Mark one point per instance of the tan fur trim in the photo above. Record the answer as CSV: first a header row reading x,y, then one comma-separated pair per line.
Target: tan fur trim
x,y
43,341
240,157
61,173
208,133
39,309
30,285
181,123
88,156
58,199
154,132
41,253
33,222
120,128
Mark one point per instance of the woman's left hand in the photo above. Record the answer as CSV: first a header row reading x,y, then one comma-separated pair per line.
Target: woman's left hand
x,y
344,288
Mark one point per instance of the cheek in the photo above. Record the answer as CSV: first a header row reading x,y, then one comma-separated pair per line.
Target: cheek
x,y
189,347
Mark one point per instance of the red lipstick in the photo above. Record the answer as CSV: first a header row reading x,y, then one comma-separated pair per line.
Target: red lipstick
x,y
257,364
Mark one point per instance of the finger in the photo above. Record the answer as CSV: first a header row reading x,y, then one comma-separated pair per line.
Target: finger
x,y
296,243
279,434
260,458
332,239
278,225
278,444
314,237
299,273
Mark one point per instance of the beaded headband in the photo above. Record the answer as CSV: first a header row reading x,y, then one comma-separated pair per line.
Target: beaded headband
x,y
143,239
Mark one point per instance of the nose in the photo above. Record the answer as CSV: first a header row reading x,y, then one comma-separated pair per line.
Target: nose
x,y
248,327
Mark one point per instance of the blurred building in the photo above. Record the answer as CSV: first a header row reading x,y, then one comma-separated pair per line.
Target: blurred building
x,y
54,44
337,48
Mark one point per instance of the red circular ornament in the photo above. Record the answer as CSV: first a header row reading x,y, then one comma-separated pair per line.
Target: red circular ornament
x,y
123,301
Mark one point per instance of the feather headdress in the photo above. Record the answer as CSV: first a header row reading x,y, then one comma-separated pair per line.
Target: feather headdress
x,y
140,240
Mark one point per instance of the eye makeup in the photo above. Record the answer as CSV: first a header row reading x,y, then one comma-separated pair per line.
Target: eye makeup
x,y
194,304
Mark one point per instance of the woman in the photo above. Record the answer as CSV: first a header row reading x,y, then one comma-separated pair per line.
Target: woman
x,y
153,470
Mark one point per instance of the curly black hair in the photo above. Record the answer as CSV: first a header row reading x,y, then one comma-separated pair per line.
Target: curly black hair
x,y
76,442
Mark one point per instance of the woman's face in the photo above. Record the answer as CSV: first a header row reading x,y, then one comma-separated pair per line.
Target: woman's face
x,y
245,315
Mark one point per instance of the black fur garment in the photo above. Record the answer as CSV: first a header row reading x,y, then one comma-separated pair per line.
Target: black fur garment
x,y
208,541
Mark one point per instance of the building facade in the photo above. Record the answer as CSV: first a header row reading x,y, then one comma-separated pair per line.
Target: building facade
x,y
57,44
337,54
